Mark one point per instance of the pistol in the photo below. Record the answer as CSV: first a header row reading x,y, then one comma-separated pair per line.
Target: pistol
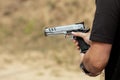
x,y
66,30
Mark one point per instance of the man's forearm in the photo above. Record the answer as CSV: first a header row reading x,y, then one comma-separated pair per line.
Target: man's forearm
x,y
97,57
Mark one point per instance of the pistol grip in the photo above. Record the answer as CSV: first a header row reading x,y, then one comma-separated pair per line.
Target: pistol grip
x,y
82,44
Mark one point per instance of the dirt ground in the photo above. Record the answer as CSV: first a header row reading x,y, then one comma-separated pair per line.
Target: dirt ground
x,y
18,71
12,68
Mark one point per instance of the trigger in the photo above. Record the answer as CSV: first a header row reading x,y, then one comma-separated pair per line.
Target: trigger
x,y
69,36
65,36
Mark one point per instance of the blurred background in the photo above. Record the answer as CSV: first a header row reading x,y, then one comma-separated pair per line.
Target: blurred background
x,y
26,54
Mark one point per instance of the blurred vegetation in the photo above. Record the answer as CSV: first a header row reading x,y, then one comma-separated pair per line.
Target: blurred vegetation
x,y
22,23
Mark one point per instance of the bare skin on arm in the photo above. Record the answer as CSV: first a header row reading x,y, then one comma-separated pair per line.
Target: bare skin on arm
x,y
96,58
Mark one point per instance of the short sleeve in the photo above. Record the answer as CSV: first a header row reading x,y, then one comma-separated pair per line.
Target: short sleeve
x,y
106,21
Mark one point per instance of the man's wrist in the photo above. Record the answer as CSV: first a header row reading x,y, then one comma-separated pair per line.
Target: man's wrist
x,y
86,71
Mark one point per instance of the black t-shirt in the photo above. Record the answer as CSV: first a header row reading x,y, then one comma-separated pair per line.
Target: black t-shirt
x,y
106,29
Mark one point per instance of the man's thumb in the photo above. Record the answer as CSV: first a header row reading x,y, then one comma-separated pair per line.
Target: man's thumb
x,y
79,34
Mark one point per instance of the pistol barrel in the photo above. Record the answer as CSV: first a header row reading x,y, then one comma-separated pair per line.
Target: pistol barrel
x,y
64,29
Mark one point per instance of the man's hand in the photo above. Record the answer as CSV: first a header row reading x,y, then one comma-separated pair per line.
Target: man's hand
x,y
85,36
